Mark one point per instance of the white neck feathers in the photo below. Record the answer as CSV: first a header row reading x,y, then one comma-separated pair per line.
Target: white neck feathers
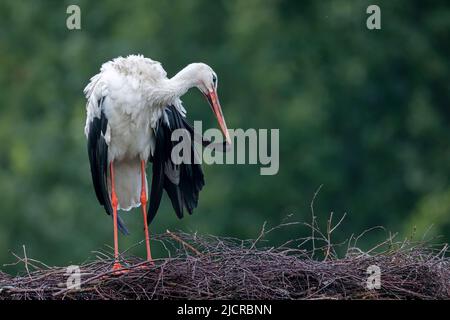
x,y
173,88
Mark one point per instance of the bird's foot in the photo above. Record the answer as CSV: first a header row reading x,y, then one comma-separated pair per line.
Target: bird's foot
x,y
118,269
147,265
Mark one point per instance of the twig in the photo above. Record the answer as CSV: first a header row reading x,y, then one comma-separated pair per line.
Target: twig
x,y
313,220
185,244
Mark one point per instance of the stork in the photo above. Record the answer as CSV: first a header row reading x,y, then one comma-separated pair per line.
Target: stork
x,y
132,109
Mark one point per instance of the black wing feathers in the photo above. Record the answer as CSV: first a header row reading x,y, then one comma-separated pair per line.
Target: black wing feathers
x,y
158,175
185,181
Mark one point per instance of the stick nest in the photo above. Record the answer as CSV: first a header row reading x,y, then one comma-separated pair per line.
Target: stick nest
x,y
208,267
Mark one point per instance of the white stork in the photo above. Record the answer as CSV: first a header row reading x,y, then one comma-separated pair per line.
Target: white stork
x,y
132,109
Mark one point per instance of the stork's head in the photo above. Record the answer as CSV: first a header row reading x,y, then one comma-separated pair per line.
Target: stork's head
x,y
205,79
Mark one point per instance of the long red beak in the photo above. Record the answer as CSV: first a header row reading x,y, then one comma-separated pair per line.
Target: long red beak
x,y
217,109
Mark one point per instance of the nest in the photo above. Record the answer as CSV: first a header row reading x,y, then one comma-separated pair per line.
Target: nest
x,y
208,267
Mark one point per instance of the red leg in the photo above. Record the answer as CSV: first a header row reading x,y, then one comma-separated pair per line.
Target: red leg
x,y
144,210
115,203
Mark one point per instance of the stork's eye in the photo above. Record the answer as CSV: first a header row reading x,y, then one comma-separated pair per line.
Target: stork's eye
x,y
214,79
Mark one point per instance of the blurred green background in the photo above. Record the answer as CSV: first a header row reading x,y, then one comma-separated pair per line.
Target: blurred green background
x,y
363,113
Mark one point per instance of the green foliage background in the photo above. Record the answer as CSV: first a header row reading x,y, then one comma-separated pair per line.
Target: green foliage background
x,y
363,113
